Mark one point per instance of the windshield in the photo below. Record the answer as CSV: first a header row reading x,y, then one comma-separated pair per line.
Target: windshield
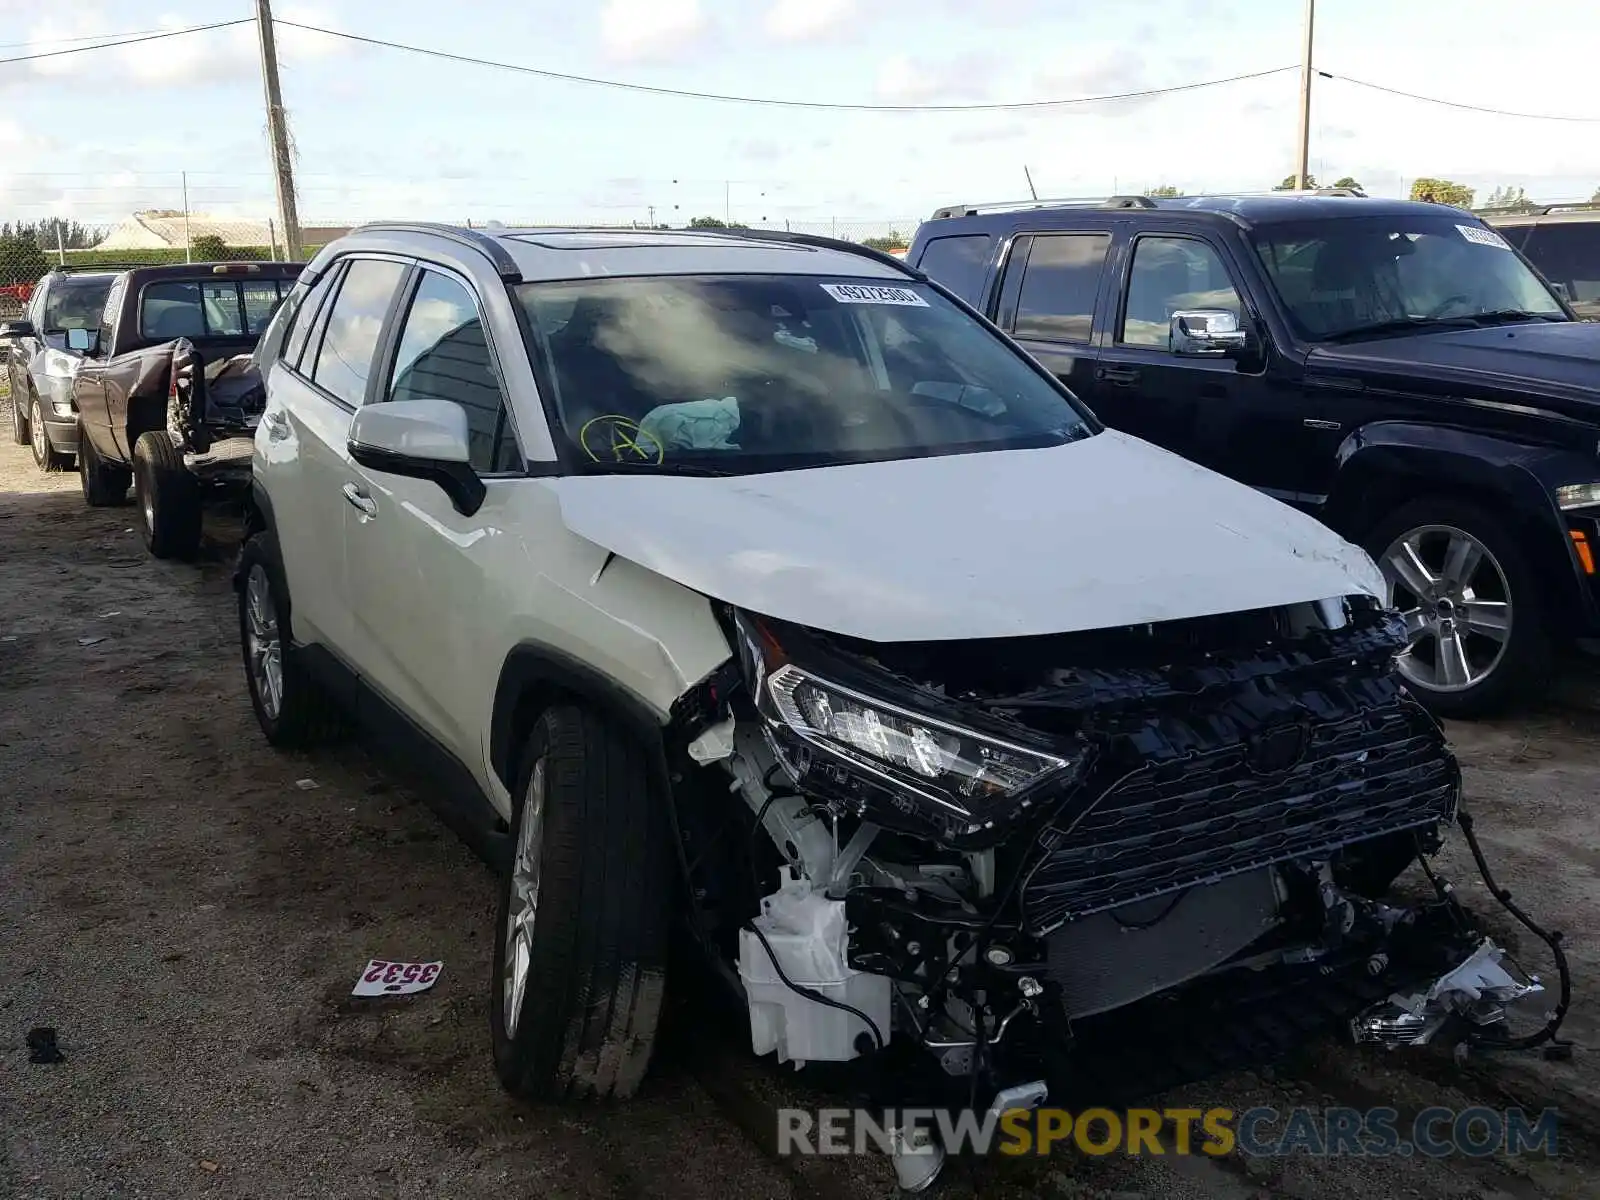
x,y
753,373
74,304
1341,277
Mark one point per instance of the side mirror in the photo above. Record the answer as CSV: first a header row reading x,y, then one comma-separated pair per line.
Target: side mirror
x,y
1559,289
82,339
15,329
1212,332
420,439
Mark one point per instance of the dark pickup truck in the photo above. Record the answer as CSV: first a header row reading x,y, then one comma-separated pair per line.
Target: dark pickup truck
x,y
1395,368
167,397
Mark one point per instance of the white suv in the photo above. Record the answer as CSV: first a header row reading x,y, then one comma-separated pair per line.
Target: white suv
x,y
655,542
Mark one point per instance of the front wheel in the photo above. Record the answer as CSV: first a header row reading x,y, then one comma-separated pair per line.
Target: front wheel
x,y
1471,602
103,485
292,708
45,455
581,943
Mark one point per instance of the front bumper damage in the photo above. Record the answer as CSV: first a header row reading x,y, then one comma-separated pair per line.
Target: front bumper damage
x,y
1168,858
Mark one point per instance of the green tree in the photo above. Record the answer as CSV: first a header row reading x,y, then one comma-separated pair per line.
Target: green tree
x,y
707,223
1442,191
1288,183
1511,199
21,260
895,241
1165,192
208,247
1349,181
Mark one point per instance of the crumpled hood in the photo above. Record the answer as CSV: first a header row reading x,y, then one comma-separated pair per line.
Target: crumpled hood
x,y
1104,532
1558,360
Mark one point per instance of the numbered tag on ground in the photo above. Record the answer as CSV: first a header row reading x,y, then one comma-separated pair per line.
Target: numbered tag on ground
x,y
385,978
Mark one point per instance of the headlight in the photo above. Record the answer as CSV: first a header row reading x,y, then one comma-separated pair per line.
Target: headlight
x,y
971,779
1578,495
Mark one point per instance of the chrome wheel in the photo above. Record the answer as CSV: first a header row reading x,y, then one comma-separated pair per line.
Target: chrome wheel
x,y
147,500
1456,602
263,644
524,906
36,434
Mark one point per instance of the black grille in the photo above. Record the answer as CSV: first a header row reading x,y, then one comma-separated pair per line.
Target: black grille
x,y
1198,819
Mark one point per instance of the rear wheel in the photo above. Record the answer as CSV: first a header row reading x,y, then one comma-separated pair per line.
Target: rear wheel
x,y
581,944
292,708
168,495
46,455
1471,602
103,485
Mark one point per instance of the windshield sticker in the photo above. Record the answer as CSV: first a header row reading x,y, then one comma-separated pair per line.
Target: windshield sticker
x,y
860,293
1479,236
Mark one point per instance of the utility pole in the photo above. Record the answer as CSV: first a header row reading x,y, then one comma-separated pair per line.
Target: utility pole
x,y
1302,168
278,132
188,242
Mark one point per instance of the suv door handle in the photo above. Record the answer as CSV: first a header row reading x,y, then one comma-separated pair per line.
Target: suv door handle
x,y
359,500
1118,376
277,424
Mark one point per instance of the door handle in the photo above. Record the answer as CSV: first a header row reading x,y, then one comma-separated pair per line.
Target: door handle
x,y
1118,376
360,501
277,424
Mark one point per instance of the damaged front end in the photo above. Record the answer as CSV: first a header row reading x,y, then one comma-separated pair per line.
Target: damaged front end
x,y
1059,858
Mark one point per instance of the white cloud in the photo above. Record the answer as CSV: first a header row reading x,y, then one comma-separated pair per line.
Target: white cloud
x,y
186,61
809,20
650,30
906,80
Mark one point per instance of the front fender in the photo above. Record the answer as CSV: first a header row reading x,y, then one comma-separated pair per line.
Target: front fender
x,y
1387,464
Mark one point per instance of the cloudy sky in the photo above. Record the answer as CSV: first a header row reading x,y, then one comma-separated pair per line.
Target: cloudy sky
x,y
386,133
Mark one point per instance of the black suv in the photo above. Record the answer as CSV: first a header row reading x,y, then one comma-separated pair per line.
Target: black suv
x,y
1563,241
1395,368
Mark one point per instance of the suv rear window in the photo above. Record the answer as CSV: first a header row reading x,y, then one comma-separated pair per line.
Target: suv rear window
x,y
958,263
198,308
750,373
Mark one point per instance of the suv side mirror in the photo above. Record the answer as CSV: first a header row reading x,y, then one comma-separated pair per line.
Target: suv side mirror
x,y
82,339
15,329
420,439
1207,332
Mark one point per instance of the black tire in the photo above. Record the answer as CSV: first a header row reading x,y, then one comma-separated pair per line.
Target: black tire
x,y
45,455
598,950
19,419
305,714
1524,661
168,496
104,485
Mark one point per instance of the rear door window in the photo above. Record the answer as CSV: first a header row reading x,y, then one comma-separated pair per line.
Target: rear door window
x,y
958,263
350,341
1060,283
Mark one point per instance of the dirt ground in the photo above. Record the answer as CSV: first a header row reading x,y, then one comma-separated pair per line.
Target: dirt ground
x,y
189,909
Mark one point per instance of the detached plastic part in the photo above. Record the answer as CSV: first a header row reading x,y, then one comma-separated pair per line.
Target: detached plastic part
x,y
1478,992
807,934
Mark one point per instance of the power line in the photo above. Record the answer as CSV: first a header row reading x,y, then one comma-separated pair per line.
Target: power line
x,y
128,41
768,101
1456,104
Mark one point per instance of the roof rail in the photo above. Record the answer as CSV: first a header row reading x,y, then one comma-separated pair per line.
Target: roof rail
x,y
489,247
1536,210
816,241
972,210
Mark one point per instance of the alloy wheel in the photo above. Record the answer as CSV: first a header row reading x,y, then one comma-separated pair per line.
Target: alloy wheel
x,y
37,435
263,642
524,906
1457,605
